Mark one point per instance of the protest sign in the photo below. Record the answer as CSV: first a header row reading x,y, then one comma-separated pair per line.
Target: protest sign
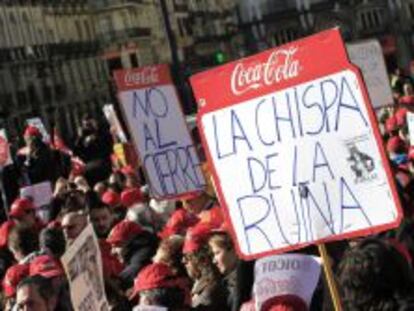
x,y
368,56
41,193
82,262
289,274
37,122
114,123
410,123
294,148
149,308
5,156
158,128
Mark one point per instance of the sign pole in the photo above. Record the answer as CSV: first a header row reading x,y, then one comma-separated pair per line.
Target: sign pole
x,y
333,289
3,193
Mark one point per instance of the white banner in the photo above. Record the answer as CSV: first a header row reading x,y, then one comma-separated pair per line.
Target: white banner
x,y
41,193
83,266
410,123
289,274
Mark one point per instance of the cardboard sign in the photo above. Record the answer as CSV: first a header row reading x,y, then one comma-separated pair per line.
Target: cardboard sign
x,y
368,56
410,123
113,121
37,122
157,125
82,262
288,274
41,194
5,156
296,155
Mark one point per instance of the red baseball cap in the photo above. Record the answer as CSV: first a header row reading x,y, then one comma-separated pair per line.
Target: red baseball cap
x,y
123,231
196,237
155,275
111,198
32,131
131,196
46,266
178,223
13,276
20,207
285,303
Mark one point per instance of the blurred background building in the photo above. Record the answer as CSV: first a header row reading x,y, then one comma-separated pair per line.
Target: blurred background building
x,y
56,57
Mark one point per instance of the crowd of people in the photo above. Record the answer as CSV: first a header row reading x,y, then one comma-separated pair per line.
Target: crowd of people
x,y
178,254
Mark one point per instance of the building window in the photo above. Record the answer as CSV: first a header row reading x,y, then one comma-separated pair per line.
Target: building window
x,y
411,9
134,60
79,31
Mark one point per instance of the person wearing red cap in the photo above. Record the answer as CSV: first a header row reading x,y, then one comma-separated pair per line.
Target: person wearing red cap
x,y
157,285
23,212
208,292
131,196
40,156
133,246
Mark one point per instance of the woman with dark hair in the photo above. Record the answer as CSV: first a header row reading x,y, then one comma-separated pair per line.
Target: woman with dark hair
x,y
373,275
208,292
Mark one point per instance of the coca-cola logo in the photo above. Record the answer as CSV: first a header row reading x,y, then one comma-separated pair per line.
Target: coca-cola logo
x,y
145,76
281,65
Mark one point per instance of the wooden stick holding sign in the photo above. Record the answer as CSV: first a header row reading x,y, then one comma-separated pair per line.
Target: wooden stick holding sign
x,y
330,278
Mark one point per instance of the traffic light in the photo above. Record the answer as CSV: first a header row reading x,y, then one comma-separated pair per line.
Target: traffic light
x,y
219,57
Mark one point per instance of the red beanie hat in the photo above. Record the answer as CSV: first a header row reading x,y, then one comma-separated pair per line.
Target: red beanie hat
x,y
285,303
196,237
401,116
46,266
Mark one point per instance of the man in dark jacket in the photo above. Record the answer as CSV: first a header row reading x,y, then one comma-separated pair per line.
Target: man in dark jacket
x,y
94,147
134,247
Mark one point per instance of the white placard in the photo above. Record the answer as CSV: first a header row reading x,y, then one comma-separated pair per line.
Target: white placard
x,y
41,194
301,176
37,122
114,122
368,56
82,262
5,156
289,274
159,131
410,123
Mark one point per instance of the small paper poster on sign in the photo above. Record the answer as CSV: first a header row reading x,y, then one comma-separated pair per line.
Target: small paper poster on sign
x,y
158,128
5,156
410,123
295,151
368,56
37,122
82,262
288,274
